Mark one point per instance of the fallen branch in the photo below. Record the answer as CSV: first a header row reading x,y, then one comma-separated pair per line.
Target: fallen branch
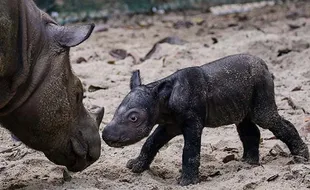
x,y
294,106
170,40
9,149
258,28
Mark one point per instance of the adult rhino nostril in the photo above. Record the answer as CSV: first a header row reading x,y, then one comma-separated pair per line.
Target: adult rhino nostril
x,y
78,148
93,153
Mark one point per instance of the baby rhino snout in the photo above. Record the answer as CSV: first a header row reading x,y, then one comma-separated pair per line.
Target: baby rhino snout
x,y
110,136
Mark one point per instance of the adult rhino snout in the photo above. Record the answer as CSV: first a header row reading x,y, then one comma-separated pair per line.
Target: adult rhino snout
x,y
84,144
86,150
87,144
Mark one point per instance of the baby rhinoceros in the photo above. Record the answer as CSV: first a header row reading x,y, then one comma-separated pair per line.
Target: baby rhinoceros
x,y
237,89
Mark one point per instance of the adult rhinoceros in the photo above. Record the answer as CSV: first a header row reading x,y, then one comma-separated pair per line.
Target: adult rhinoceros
x,y
40,97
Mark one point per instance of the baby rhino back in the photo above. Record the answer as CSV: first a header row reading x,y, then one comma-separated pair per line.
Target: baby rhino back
x,y
232,84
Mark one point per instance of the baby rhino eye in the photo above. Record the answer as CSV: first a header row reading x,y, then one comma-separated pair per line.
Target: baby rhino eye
x,y
133,118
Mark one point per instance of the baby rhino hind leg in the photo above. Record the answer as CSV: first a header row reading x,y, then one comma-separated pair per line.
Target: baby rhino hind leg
x,y
265,114
250,137
286,132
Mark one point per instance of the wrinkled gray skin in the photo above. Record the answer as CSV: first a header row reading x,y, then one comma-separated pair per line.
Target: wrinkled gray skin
x,y
40,97
237,89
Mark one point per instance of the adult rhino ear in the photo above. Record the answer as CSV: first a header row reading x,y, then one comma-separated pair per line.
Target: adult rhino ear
x,y
135,80
70,36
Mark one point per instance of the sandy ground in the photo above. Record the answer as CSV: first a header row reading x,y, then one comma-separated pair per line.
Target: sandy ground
x,y
264,33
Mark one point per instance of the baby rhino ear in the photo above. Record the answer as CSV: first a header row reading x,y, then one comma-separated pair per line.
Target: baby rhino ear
x,y
135,80
163,90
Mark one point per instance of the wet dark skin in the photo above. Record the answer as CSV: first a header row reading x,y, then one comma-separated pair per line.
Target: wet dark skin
x,y
237,89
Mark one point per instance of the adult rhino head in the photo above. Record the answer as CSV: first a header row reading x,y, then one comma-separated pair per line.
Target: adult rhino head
x,y
40,97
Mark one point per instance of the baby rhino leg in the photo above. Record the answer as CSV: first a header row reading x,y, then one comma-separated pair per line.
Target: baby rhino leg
x,y
265,115
250,137
286,132
154,142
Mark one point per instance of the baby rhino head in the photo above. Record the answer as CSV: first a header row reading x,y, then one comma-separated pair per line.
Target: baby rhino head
x,y
135,116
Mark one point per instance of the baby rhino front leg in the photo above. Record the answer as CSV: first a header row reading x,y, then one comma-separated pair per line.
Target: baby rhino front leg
x,y
162,135
192,130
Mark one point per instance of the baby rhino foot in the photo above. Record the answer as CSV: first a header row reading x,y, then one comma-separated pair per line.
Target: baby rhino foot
x,y
136,165
184,181
251,160
299,159
302,155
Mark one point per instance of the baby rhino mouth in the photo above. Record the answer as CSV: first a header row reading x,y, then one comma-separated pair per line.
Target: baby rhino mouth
x,y
116,140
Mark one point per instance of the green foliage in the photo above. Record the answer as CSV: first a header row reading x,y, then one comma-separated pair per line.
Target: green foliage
x,y
131,6
81,5
47,5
